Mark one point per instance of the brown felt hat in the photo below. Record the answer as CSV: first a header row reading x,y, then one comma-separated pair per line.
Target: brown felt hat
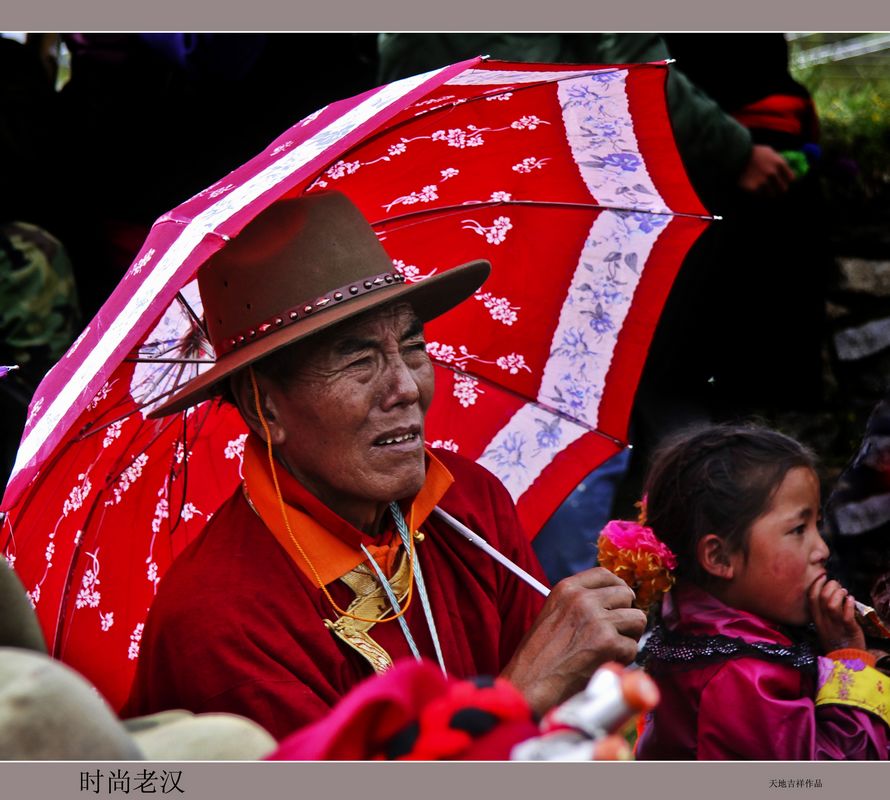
x,y
300,266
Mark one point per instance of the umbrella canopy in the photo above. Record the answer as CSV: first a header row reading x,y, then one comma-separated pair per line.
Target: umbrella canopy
x,y
565,177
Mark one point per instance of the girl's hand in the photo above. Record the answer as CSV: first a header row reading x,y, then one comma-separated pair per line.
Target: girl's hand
x,y
833,610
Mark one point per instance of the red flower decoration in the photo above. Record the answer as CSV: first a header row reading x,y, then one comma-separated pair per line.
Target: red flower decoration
x,y
633,553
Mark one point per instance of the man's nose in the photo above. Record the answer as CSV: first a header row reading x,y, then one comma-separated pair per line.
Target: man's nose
x,y
400,386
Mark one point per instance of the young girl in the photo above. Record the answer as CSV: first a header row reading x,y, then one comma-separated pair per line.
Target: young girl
x,y
740,673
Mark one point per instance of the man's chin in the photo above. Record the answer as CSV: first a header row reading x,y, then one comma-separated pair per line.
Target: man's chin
x,y
400,486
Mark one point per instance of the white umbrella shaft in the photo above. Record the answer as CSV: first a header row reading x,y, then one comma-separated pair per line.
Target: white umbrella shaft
x,y
477,540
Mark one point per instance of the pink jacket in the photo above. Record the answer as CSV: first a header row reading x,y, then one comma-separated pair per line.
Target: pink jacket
x,y
745,707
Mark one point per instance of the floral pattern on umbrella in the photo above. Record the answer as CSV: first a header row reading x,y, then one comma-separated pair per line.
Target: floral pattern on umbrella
x,y
565,178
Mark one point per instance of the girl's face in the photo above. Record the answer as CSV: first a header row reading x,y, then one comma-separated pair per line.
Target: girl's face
x,y
785,554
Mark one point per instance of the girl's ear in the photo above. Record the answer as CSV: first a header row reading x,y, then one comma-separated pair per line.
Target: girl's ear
x,y
245,397
714,557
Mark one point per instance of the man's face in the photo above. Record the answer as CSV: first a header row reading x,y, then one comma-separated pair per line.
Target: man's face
x,y
352,415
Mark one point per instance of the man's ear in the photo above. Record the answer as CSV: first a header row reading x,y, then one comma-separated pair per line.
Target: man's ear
x,y
713,556
246,399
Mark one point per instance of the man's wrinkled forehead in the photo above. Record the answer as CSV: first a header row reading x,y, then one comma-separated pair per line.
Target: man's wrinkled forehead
x,y
398,318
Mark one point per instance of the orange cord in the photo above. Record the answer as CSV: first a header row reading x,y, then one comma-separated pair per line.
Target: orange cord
x,y
342,612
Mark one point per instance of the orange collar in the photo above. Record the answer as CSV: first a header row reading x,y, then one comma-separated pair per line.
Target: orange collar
x,y
330,542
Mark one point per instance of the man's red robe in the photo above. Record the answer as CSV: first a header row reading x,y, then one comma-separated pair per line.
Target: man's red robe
x,y
237,627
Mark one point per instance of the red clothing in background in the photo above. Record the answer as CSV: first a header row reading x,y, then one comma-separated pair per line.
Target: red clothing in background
x,y
237,626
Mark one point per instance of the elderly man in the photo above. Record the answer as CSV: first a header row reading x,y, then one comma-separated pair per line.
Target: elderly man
x,y
326,565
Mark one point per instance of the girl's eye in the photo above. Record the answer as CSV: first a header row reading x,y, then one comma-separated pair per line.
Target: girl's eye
x,y
800,530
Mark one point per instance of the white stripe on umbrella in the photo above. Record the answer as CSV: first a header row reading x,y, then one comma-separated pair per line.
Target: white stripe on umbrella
x,y
125,329
611,104
484,77
574,377
584,340
519,452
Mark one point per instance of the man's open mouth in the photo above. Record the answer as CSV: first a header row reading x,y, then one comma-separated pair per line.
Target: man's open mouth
x,y
386,439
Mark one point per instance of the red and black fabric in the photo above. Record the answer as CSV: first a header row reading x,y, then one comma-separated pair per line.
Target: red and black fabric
x,y
413,713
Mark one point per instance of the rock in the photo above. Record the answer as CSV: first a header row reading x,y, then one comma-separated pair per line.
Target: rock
x,y
48,711
865,275
852,344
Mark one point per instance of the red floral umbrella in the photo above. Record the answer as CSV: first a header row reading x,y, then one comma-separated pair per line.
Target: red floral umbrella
x,y
565,177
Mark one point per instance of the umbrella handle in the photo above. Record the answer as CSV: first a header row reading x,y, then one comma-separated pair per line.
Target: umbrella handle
x,y
477,540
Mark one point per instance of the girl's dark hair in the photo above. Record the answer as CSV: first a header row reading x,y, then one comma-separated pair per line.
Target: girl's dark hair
x,y
717,479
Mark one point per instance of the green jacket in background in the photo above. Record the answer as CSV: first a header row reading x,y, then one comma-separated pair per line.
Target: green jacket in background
x,y
714,147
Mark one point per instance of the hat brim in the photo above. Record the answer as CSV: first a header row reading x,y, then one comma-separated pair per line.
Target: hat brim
x,y
430,298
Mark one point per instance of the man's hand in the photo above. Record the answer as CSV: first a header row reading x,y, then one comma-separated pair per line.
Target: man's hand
x,y
766,172
586,621
833,614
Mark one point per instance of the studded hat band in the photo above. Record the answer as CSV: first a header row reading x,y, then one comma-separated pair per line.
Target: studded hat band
x,y
303,310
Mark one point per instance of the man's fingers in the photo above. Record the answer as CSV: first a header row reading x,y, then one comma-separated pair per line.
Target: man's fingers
x,y
613,597
594,599
594,578
628,622
625,650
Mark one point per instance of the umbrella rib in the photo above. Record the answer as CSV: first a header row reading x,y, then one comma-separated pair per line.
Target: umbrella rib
x,y
85,434
65,600
75,555
184,473
537,403
191,312
148,386
445,107
169,345
146,348
169,360
122,465
78,546
441,210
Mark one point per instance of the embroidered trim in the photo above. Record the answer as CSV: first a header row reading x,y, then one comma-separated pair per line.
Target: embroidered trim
x,y
665,649
851,682
370,602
